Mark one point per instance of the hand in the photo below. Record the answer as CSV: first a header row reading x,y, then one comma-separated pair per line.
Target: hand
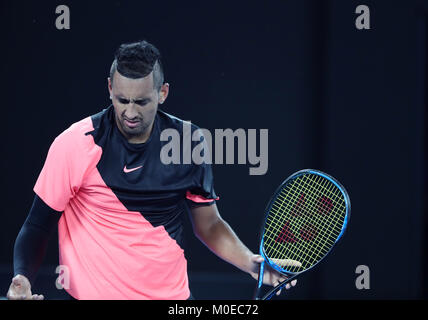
x,y
271,276
20,289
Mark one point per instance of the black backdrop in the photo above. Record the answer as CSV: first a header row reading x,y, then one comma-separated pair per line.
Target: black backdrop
x,y
346,101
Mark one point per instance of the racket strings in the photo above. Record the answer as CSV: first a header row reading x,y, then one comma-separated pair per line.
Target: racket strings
x,y
318,217
302,254
282,197
304,221
331,228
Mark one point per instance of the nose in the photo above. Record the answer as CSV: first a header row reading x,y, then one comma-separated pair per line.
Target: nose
x,y
131,111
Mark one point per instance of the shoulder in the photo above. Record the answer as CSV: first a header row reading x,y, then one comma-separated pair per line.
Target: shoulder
x,y
75,137
168,121
172,126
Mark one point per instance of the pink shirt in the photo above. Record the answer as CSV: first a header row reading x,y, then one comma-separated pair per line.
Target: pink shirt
x,y
110,251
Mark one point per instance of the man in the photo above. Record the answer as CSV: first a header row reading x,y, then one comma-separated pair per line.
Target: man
x,y
118,208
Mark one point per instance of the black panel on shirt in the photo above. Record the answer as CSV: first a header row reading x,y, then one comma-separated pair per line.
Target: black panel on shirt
x,y
156,190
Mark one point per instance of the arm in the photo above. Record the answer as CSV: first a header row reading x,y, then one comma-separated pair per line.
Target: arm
x,y
68,159
219,237
30,248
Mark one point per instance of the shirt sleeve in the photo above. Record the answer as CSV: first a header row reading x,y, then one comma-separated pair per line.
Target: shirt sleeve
x,y
63,171
202,193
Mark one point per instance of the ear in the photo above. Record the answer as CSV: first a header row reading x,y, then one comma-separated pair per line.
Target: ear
x,y
163,93
110,89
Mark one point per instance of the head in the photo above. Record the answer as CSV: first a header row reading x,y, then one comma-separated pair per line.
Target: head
x,y
136,86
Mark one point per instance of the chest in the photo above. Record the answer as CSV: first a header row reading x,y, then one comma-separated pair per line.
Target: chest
x,y
139,180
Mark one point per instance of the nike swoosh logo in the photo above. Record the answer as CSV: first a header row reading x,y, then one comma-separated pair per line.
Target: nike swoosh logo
x,y
126,170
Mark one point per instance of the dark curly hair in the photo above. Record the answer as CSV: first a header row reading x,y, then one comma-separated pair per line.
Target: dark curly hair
x,y
136,60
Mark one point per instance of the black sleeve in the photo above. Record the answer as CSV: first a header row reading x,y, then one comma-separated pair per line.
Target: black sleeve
x,y
202,193
32,241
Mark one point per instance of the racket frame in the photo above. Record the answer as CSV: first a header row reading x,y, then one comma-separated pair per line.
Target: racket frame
x,y
292,275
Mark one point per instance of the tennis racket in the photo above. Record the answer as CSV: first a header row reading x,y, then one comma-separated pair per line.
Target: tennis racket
x,y
305,218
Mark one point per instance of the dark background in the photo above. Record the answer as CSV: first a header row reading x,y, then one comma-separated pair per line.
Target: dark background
x,y
349,102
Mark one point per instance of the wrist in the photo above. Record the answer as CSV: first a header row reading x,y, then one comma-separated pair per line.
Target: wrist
x,y
251,266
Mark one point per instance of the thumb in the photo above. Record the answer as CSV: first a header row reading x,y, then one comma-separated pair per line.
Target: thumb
x,y
287,262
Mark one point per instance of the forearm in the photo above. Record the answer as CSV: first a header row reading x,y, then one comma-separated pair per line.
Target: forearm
x,y
29,250
32,241
222,240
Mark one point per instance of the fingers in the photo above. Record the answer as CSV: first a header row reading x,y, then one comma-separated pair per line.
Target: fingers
x,y
287,286
15,296
15,291
279,292
11,296
20,289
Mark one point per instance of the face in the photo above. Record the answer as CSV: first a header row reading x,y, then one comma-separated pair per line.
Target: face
x,y
135,103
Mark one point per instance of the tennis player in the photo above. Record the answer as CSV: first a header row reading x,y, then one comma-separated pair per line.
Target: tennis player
x,y
117,207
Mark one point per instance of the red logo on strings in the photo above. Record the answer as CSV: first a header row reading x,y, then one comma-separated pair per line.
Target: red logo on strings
x,y
286,235
298,207
308,231
325,205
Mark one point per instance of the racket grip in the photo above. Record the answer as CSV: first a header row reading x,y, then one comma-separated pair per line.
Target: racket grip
x,y
259,281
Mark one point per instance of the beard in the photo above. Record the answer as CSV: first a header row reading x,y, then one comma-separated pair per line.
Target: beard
x,y
136,131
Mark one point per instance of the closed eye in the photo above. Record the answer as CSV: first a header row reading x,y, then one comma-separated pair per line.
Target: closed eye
x,y
123,100
142,102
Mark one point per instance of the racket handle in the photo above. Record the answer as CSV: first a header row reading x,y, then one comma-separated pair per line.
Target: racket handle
x,y
272,292
259,281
